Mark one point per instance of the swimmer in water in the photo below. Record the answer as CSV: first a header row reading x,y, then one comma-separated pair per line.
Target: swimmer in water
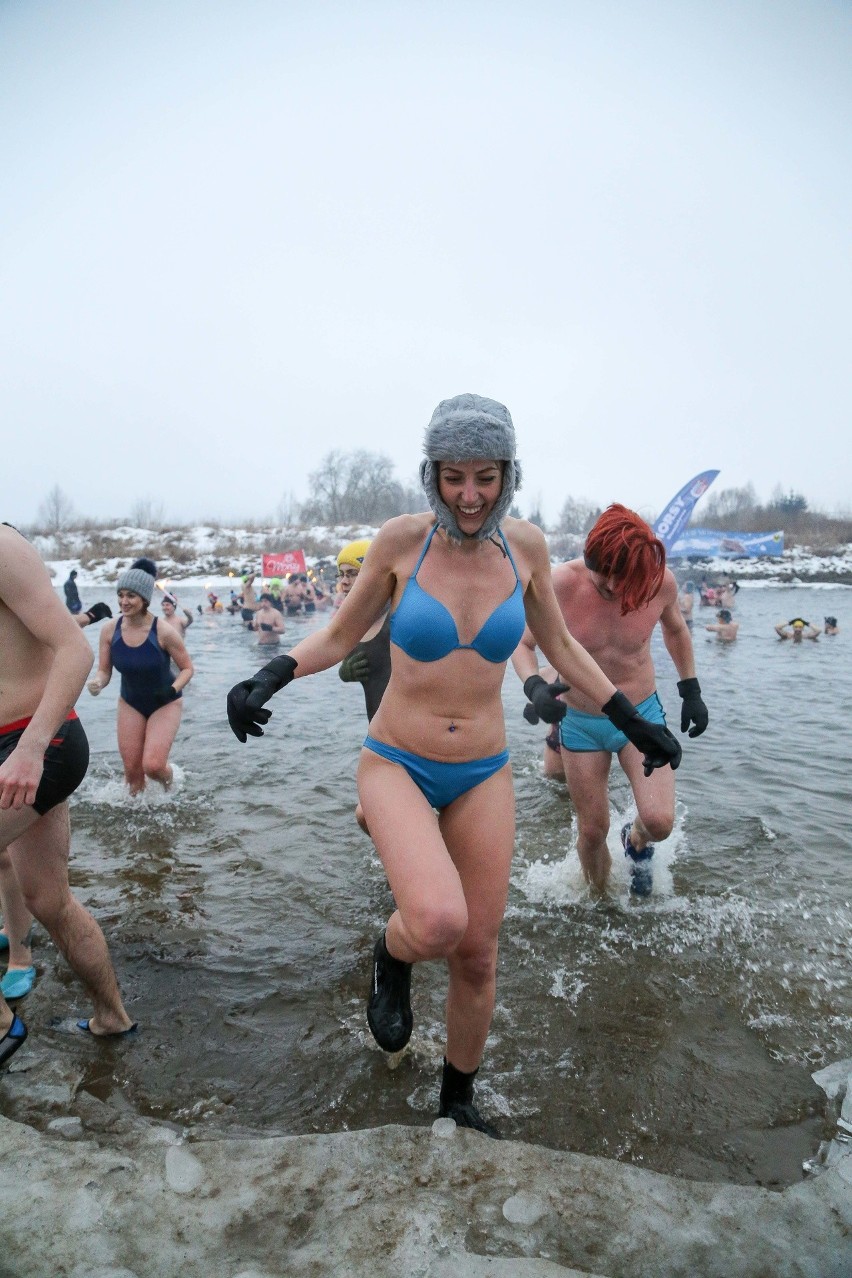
x,y
725,628
170,612
150,705
612,600
268,622
72,594
434,777
44,755
831,626
686,602
797,629
292,596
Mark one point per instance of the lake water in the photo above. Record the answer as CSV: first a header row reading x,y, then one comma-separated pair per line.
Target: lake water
x,y
677,1032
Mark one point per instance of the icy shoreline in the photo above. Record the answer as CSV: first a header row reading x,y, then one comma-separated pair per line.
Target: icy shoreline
x,y
216,557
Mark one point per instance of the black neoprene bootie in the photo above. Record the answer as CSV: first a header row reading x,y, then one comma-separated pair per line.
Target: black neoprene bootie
x,y
389,1006
457,1101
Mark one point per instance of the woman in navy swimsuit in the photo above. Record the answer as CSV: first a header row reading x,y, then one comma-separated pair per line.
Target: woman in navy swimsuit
x,y
141,648
434,778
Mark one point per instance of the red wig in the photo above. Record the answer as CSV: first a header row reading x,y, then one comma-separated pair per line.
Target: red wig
x,y
623,546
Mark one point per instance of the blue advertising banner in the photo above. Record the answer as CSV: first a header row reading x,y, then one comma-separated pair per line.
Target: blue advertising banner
x,y
709,543
675,517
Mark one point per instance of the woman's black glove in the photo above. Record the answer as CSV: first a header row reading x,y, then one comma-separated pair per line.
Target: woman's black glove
x,y
544,696
246,699
693,709
164,695
657,744
98,611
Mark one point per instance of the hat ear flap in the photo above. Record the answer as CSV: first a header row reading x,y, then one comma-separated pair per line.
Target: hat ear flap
x,y
441,511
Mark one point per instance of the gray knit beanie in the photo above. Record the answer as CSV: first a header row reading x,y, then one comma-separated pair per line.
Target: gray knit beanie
x,y
138,579
470,428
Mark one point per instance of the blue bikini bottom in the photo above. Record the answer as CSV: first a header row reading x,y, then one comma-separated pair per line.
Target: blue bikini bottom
x,y
441,783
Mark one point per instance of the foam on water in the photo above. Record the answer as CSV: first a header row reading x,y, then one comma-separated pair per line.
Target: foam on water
x,y
111,791
561,882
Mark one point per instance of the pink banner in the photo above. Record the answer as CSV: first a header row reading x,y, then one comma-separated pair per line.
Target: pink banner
x,y
281,565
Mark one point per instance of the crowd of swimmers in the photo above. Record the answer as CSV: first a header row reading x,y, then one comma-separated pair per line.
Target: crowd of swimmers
x,y
426,617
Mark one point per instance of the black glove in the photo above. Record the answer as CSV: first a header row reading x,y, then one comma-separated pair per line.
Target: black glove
x,y
164,695
246,699
543,696
693,709
355,668
657,744
98,611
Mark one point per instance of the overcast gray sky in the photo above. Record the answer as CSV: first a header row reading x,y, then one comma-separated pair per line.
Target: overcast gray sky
x,y
236,236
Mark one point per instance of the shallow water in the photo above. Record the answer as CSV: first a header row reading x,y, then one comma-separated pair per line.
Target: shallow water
x,y
677,1032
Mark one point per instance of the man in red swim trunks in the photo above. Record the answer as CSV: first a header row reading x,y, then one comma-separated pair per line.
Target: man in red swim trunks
x,y
43,758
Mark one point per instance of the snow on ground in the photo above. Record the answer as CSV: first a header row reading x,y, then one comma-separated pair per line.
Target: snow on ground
x,y
216,556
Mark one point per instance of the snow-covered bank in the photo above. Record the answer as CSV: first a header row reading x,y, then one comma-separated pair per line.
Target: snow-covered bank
x,y
216,556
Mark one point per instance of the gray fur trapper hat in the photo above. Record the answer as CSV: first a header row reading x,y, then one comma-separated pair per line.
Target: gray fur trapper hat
x,y
137,579
467,428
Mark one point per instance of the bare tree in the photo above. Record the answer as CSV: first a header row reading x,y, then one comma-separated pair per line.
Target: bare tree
x,y
146,513
56,511
577,515
730,503
355,487
286,512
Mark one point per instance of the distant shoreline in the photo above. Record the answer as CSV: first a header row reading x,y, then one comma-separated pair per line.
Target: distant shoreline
x,y
212,553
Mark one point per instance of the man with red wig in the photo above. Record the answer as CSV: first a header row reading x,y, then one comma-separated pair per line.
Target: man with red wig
x,y
612,599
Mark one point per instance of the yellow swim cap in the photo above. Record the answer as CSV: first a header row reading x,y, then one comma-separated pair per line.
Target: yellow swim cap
x,y
354,553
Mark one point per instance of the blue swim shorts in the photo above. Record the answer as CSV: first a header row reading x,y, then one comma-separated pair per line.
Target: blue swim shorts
x,y
584,733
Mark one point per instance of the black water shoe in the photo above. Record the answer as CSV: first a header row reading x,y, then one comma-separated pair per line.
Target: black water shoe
x,y
389,1006
457,1102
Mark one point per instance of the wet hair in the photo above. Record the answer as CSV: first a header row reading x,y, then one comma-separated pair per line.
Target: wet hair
x,y
724,614
831,621
622,545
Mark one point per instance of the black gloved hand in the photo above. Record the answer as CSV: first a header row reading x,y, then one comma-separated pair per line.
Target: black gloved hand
x,y
657,744
693,709
355,668
164,695
98,611
246,699
543,696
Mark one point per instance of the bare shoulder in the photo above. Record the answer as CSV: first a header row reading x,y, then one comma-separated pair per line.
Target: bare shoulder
x,y
398,536
166,632
21,568
527,542
569,572
669,587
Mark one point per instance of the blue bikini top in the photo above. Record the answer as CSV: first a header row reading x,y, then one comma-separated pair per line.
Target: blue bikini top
x,y
424,628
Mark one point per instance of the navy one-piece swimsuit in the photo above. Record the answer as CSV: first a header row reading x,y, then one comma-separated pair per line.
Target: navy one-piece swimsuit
x,y
145,670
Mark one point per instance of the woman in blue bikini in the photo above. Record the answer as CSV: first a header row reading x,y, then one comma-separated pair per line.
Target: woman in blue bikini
x,y
434,778
141,649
